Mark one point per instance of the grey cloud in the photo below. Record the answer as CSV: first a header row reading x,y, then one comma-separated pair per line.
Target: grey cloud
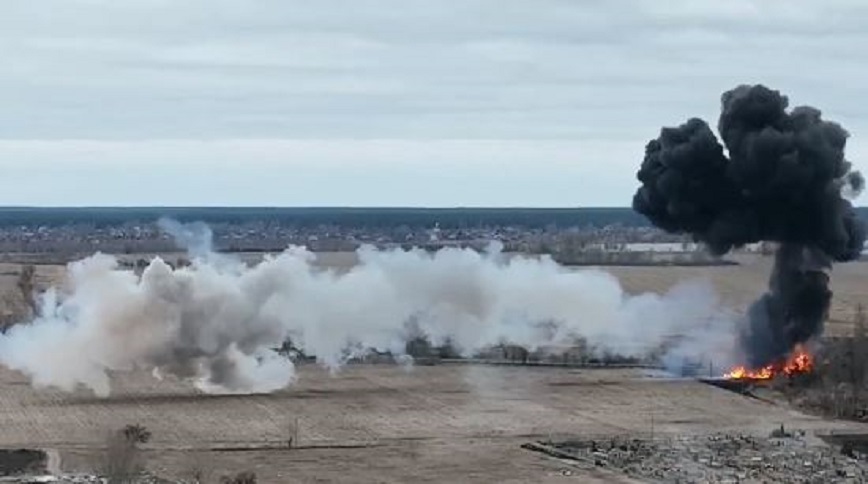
x,y
451,69
587,71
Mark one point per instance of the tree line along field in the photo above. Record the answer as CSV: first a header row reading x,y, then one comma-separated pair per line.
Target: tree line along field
x,y
342,216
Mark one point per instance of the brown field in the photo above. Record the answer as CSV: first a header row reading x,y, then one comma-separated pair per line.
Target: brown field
x,y
381,423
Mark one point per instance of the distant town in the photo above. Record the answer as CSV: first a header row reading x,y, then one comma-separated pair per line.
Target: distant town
x,y
593,236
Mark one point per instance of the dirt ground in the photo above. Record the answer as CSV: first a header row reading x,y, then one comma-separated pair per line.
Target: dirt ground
x,y
383,423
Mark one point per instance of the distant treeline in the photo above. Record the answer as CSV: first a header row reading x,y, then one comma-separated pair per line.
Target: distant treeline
x,y
447,218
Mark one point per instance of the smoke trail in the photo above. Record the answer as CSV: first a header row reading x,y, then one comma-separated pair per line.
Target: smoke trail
x,y
217,325
784,180
196,237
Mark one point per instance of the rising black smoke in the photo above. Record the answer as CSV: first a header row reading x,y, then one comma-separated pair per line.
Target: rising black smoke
x,y
783,178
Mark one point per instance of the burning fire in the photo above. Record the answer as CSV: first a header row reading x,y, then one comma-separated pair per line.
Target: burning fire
x,y
799,361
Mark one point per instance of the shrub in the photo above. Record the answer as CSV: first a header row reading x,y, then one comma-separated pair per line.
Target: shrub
x,y
245,477
136,434
122,461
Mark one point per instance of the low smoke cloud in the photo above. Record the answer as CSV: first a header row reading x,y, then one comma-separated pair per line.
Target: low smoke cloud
x,y
785,179
218,324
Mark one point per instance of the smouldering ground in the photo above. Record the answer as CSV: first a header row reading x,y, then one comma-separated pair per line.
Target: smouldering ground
x,y
447,423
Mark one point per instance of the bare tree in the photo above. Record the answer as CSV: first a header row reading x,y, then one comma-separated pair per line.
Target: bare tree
x,y
122,461
13,310
27,286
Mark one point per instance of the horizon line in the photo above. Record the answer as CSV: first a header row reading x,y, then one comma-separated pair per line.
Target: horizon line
x,y
314,207
321,207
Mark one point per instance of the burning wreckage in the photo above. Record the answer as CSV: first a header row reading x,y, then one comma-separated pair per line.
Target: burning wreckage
x,y
799,362
778,176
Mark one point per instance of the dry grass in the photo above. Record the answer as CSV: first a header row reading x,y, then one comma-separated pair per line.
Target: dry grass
x,y
200,468
245,477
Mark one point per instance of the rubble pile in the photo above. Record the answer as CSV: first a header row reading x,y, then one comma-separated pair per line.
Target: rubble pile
x,y
77,479
722,458
50,479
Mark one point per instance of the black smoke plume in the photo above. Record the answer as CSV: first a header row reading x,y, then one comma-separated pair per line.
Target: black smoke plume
x,y
782,178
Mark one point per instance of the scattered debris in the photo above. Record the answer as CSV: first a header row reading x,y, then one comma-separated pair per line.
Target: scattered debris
x,y
22,461
786,456
144,478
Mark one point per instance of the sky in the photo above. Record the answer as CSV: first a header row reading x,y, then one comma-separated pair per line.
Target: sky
x,y
391,102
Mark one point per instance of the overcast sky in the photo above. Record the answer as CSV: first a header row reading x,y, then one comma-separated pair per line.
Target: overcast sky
x,y
391,102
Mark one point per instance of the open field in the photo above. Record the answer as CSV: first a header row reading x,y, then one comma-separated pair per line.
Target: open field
x,y
381,423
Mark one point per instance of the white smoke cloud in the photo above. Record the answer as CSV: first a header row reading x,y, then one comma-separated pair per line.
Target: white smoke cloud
x,y
196,237
218,324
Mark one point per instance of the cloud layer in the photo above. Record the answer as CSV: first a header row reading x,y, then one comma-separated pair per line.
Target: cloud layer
x,y
603,75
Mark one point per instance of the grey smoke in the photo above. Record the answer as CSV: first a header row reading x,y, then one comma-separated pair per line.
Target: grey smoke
x,y
196,237
218,325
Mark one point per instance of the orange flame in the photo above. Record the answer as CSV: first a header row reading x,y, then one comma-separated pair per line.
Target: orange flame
x,y
799,361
